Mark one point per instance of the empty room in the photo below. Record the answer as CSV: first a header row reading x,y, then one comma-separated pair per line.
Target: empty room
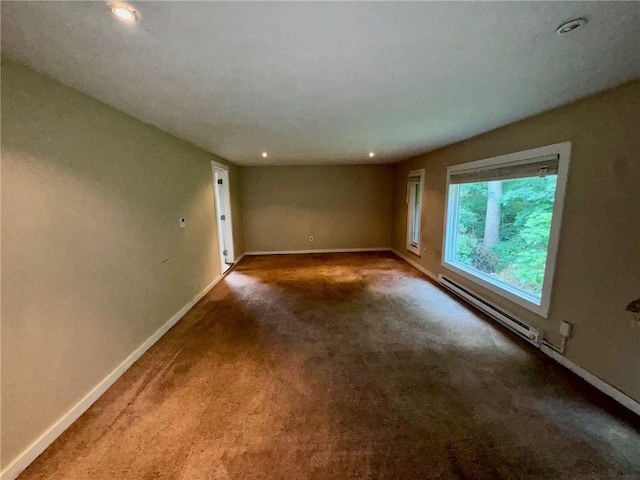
x,y
320,240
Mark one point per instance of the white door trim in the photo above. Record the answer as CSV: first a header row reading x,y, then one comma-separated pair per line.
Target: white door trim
x,y
217,167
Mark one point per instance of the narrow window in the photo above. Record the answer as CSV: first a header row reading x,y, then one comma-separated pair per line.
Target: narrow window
x,y
502,223
415,187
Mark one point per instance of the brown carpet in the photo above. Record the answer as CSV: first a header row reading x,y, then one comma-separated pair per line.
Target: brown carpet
x,y
343,366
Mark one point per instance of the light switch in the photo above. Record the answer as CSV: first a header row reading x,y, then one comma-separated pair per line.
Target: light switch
x,y
182,223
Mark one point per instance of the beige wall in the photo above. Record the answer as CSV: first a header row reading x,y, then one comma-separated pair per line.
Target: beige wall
x,y
341,206
236,181
93,260
598,264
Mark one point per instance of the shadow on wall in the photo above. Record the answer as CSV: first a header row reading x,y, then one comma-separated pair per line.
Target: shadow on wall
x,y
634,307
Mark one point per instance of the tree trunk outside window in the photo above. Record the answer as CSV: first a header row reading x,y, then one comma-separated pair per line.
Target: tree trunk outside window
x,y
492,222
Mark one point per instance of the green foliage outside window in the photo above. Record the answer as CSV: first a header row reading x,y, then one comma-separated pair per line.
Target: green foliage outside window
x,y
525,209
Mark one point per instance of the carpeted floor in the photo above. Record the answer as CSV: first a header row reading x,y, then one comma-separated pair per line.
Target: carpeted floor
x,y
343,366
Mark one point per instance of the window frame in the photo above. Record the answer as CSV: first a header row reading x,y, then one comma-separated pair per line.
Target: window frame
x,y
504,289
415,249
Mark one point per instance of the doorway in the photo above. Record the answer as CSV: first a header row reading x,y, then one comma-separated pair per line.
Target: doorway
x,y
223,214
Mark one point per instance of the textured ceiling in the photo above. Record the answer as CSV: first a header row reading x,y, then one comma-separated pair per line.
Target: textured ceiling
x,y
315,83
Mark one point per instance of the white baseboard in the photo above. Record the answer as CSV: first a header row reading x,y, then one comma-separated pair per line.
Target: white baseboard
x,y
237,260
413,263
28,455
24,459
327,250
590,378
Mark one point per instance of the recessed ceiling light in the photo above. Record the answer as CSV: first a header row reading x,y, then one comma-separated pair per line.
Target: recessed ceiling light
x,y
124,12
264,154
570,26
371,154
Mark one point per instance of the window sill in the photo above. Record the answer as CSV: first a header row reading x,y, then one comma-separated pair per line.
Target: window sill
x,y
521,297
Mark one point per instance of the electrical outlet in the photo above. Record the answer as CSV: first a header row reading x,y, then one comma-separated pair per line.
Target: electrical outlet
x,y
311,238
182,222
565,329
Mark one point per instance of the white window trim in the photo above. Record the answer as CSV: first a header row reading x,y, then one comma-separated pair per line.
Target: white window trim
x,y
410,247
510,292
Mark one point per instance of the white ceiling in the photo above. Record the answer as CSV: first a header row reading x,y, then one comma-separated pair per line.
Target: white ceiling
x,y
328,82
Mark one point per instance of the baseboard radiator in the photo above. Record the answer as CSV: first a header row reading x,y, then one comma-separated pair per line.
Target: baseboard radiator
x,y
517,326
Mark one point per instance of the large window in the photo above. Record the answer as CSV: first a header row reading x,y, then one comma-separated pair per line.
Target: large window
x,y
502,222
415,185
